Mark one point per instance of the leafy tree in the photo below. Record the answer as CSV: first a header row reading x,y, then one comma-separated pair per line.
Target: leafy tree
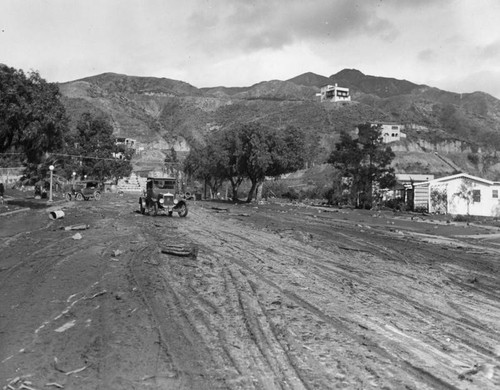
x,y
205,162
269,152
94,145
230,153
32,118
466,192
251,151
364,162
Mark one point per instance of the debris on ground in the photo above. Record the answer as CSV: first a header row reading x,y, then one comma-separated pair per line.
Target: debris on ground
x,y
81,226
54,384
77,236
220,209
181,250
56,214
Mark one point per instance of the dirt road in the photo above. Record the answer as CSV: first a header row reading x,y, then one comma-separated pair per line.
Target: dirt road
x,y
277,297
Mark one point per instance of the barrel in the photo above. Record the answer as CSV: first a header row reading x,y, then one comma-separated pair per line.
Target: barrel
x,y
57,214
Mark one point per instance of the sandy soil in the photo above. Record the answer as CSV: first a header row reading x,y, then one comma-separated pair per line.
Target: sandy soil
x,y
268,296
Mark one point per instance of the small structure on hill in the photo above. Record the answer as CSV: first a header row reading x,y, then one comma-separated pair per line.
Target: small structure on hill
x,y
127,142
334,93
390,132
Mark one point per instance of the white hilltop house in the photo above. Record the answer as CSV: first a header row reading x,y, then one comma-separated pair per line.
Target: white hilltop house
x,y
460,194
334,93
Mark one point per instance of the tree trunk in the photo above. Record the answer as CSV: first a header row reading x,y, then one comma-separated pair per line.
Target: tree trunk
x,y
258,192
252,191
234,186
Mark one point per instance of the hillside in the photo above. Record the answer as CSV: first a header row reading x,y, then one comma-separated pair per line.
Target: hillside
x,y
154,110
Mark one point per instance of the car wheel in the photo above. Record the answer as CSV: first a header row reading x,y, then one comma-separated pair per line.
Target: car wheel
x,y
182,211
141,207
97,195
68,197
79,196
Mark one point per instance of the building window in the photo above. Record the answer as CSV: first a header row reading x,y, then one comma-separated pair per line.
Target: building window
x,y
476,196
495,194
395,127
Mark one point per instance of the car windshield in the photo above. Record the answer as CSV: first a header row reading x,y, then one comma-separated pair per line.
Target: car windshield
x,y
164,184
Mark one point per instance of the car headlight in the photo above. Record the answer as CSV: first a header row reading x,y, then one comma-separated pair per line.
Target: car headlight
x,y
176,201
161,201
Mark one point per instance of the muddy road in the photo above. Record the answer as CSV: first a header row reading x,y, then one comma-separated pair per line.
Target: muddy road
x,y
274,296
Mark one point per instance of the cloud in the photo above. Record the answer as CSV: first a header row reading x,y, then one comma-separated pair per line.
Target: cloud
x,y
263,24
427,55
486,81
491,51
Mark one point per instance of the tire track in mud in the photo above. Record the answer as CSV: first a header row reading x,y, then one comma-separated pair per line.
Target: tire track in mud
x,y
273,357
223,234
230,332
469,331
192,364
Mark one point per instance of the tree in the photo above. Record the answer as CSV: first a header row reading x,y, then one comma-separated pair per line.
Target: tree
x,y
32,118
251,151
229,153
365,162
92,148
466,192
205,162
269,152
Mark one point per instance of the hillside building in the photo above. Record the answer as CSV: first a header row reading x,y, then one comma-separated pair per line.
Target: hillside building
x,y
128,142
334,93
390,132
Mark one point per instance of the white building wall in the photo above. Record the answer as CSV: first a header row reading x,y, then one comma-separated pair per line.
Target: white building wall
x,y
392,133
334,93
486,203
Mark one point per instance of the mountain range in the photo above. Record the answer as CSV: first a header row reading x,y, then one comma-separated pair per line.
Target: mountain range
x,y
446,132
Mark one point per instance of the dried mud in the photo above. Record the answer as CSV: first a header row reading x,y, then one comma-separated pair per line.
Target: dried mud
x,y
275,296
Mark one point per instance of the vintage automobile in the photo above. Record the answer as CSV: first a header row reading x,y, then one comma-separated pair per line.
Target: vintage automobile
x,y
85,190
162,196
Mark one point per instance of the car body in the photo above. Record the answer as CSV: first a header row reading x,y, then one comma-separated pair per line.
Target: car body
x,y
85,190
162,196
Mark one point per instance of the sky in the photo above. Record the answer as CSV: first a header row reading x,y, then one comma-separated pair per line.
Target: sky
x,y
449,44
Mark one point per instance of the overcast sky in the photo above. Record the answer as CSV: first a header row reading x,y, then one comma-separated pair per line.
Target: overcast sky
x,y
449,44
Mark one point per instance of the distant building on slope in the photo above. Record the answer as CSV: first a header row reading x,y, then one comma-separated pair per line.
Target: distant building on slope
x,y
334,93
390,132
127,142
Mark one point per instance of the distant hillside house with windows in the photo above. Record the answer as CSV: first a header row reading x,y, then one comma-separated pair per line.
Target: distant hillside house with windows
x,y
334,93
390,132
128,142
